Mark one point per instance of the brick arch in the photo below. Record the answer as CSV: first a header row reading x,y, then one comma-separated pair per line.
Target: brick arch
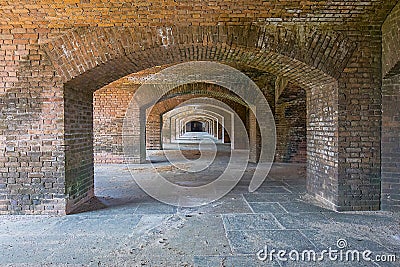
x,y
202,115
232,118
212,90
305,56
390,44
86,59
153,123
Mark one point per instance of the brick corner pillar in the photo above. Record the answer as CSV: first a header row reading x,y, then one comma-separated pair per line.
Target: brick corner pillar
x,y
134,135
78,138
252,132
31,133
322,144
142,137
359,121
390,170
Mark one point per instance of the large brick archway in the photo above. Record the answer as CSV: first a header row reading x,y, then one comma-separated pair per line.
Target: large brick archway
x,y
165,47
85,59
308,57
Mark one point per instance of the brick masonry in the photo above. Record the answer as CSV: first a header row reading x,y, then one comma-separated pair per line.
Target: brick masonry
x,y
58,54
291,121
391,143
78,136
390,43
110,105
32,158
359,127
390,139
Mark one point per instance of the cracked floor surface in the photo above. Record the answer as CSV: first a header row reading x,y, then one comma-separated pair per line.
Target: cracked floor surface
x,y
123,226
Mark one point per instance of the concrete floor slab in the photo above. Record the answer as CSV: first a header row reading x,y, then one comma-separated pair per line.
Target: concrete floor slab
x,y
96,224
267,207
230,204
326,239
311,220
155,208
242,260
268,197
123,226
301,206
234,222
275,189
250,242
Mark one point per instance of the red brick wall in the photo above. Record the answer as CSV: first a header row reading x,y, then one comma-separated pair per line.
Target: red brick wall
x,y
359,118
322,144
391,143
32,158
390,139
110,105
290,121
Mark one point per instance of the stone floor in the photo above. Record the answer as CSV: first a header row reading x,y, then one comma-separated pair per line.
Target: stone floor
x,y
125,227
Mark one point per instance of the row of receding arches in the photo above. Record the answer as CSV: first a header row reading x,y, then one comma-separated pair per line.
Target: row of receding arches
x,y
84,63
319,81
204,115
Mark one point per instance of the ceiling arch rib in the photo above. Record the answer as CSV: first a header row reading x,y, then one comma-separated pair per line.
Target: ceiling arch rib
x,y
124,50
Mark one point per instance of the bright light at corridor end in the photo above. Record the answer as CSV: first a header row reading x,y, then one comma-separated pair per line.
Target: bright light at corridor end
x,y
230,78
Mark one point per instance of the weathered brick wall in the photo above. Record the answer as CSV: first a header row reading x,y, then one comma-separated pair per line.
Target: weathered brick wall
x,y
391,143
31,126
359,117
74,13
290,121
110,105
78,125
390,139
322,144
252,129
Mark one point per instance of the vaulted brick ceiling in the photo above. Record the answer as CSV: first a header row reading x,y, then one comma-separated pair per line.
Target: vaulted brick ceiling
x,y
70,13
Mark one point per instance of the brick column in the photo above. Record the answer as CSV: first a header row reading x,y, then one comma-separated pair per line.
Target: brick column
x,y
359,121
390,170
134,135
78,136
252,128
322,144
391,143
31,127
